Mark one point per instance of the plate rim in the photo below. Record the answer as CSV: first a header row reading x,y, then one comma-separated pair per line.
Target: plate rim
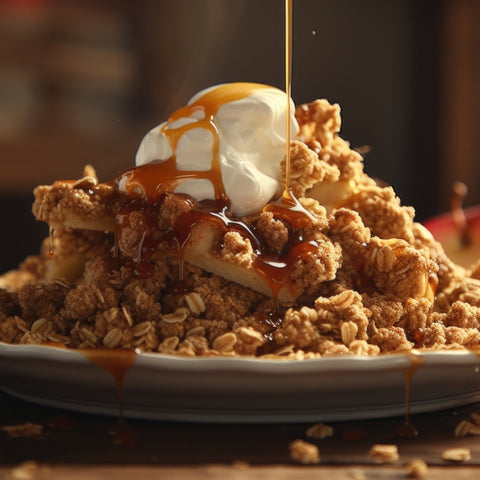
x,y
336,362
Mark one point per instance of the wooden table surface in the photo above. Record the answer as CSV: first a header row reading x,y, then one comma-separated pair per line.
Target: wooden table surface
x,y
74,445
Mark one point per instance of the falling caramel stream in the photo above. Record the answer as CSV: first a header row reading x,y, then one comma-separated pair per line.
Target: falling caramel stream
x,y
288,85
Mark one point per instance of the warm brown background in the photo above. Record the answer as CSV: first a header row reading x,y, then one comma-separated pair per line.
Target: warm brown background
x,y
80,82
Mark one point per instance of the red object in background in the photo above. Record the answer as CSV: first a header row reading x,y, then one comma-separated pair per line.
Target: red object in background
x,y
462,246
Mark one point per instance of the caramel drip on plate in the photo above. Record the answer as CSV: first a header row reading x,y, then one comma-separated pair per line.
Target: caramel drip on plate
x,y
407,430
116,362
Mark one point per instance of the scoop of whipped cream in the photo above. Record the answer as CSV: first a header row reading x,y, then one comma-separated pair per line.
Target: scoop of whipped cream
x,y
247,137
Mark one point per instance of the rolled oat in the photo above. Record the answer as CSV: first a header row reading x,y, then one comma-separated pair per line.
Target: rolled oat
x,y
456,454
112,338
87,335
319,431
176,317
348,332
23,430
195,303
384,453
141,329
197,331
225,343
466,428
168,345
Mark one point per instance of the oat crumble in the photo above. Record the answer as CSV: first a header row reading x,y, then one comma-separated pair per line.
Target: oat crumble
x,y
377,282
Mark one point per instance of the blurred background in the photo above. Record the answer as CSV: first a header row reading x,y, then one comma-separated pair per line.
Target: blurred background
x,y
82,81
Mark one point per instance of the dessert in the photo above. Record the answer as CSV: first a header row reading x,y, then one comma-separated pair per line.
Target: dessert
x,y
199,249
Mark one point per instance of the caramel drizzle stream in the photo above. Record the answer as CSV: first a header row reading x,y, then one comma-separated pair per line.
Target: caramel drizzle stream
x,y
288,85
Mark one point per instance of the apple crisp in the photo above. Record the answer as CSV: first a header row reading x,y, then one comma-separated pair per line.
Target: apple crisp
x,y
346,270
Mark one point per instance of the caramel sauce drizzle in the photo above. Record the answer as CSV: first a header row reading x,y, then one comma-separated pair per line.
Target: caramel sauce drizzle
x,y
151,180
273,267
147,183
51,241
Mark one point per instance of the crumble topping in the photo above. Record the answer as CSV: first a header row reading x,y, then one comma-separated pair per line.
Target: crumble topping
x,y
165,277
87,198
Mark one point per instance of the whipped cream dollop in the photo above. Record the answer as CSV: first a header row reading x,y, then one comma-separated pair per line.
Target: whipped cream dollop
x,y
239,126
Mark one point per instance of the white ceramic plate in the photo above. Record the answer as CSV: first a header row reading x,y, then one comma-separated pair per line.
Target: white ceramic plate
x,y
161,387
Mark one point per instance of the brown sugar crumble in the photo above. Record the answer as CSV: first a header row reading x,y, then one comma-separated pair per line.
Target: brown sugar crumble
x,y
372,280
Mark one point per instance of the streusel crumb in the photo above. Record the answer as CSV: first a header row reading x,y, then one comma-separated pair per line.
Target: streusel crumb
x,y
417,468
304,452
23,430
